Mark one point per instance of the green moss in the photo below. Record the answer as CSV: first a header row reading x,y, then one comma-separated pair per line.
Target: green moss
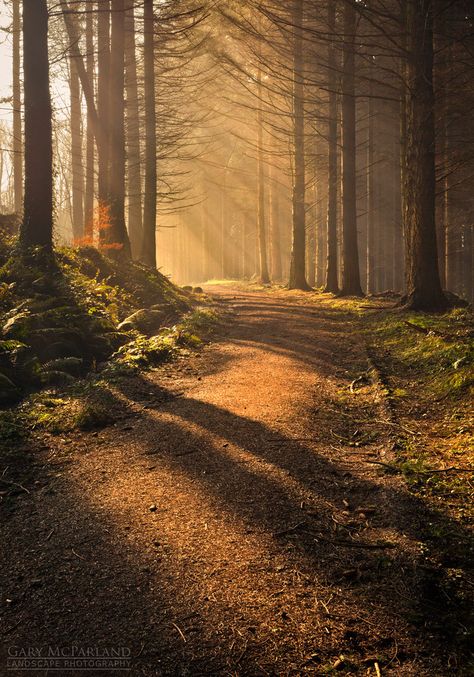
x,y
143,352
442,353
146,352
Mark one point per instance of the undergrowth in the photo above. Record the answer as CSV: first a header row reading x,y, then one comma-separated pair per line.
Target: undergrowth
x,y
92,402
62,317
73,326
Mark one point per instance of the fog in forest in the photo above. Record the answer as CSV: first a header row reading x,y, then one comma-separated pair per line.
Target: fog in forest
x,y
282,138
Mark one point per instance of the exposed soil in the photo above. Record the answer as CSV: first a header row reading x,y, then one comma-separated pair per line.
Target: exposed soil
x,y
240,521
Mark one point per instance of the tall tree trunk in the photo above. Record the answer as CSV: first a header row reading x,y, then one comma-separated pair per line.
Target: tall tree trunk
x,y
135,225
149,214
222,223
311,239
441,74
452,246
424,290
90,158
298,252
77,168
403,124
277,273
17,126
321,245
103,94
116,235
263,273
351,285
371,196
332,283
37,226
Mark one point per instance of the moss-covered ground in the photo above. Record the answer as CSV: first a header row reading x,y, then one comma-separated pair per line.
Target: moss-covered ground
x,y
64,342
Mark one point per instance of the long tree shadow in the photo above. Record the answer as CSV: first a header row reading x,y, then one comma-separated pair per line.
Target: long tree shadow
x,y
267,485
100,588
75,579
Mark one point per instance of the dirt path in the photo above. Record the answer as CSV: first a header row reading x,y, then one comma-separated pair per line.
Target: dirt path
x,y
232,525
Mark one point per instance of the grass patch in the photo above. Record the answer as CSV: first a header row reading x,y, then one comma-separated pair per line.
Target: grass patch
x,y
428,363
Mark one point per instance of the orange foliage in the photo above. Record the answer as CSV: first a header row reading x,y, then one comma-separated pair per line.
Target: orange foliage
x,y
96,231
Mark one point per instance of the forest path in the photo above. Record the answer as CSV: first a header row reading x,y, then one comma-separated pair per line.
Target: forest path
x,y
231,525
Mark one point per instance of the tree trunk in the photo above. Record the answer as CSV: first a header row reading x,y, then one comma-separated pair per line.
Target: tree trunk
x,y
135,224
351,285
298,252
17,126
451,248
403,125
77,168
277,273
332,283
103,82
263,273
311,239
371,197
90,165
424,290
116,236
149,215
321,245
222,226
37,226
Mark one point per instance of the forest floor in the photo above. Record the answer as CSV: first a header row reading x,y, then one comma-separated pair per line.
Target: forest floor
x,y
248,514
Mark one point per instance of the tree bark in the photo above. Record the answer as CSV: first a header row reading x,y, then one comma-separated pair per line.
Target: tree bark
x,y
321,245
371,197
150,208
277,273
134,183
424,290
298,252
17,126
264,275
37,226
116,236
90,158
351,285
311,239
77,168
103,93
332,282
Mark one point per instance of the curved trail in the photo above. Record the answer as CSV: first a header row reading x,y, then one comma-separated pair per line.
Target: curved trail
x,y
231,526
